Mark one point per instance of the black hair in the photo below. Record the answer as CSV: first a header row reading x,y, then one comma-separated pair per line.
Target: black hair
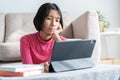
x,y
43,12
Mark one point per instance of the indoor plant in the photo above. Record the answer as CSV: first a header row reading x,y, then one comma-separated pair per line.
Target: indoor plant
x,y
102,22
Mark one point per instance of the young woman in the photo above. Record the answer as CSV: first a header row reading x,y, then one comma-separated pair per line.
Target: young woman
x,y
37,48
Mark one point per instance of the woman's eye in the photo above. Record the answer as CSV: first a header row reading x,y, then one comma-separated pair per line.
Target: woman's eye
x,y
49,18
57,20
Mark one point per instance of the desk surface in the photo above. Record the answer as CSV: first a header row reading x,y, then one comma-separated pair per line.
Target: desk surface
x,y
99,72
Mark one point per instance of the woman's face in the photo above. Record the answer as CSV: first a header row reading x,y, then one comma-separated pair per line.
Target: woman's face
x,y
51,23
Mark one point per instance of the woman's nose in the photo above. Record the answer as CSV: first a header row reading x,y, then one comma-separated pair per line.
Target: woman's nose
x,y
53,22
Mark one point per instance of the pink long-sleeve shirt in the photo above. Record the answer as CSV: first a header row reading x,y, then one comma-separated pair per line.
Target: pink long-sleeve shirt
x,y
34,50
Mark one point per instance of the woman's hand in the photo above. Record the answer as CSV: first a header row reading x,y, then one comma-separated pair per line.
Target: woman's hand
x,y
56,33
46,67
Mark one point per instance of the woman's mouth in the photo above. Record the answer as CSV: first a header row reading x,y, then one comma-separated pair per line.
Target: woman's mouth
x,y
52,29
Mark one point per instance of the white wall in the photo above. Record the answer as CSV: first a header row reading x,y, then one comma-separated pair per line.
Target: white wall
x,y
110,8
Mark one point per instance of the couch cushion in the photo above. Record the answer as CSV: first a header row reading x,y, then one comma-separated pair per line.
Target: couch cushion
x,y
80,26
2,26
20,24
10,51
68,31
15,36
66,19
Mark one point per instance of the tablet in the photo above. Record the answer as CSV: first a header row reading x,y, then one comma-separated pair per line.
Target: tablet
x,y
72,54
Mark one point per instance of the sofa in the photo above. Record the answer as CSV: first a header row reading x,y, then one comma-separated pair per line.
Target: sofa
x,y
14,25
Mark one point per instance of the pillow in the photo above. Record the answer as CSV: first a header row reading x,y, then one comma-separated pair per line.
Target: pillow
x,y
15,36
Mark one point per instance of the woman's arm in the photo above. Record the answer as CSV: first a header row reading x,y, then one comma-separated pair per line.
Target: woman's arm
x,y
25,51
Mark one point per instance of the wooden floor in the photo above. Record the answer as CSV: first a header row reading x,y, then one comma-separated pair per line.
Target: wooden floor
x,y
110,61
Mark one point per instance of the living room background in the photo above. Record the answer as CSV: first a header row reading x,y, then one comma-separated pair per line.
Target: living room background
x,y
109,8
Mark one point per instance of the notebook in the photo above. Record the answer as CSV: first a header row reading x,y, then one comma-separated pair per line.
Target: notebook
x,y
71,55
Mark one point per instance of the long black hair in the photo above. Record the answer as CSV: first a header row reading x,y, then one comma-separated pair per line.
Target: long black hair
x,y
43,12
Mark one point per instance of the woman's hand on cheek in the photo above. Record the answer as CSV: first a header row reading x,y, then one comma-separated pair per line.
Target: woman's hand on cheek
x,y
56,33
59,30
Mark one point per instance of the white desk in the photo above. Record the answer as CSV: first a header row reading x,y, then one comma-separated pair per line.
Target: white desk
x,y
99,72
110,44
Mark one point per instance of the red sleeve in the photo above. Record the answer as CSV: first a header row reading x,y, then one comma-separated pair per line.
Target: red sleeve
x,y
25,50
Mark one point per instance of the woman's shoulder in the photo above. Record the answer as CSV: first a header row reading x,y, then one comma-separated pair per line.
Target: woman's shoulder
x,y
29,36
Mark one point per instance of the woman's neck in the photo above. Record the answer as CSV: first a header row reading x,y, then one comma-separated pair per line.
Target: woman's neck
x,y
44,37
